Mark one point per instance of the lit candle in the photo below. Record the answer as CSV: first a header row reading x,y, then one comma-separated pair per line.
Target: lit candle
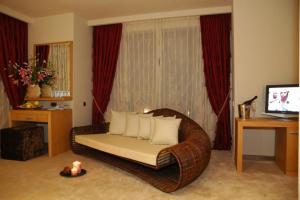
x,y
74,171
146,110
77,165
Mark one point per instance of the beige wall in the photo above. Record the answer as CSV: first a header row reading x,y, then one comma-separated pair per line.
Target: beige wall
x,y
265,52
82,72
50,29
69,27
299,118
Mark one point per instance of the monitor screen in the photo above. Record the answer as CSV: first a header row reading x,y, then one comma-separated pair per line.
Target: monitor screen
x,y
282,99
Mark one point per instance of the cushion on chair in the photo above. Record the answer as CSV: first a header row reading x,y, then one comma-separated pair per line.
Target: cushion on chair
x,y
117,122
132,123
127,147
152,124
166,131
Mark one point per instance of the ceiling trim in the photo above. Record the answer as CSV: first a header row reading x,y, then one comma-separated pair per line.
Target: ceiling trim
x,y
180,13
15,14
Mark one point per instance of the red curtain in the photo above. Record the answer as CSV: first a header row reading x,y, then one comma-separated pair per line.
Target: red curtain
x,y
42,53
106,44
13,47
215,35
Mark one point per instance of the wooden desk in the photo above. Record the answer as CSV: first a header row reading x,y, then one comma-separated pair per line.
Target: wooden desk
x,y
286,141
59,126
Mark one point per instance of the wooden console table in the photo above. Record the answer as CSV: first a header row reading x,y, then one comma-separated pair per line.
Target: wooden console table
x,y
59,126
286,141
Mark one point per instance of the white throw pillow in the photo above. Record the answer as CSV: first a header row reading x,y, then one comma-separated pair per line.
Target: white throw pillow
x,y
132,124
144,127
166,131
152,124
117,122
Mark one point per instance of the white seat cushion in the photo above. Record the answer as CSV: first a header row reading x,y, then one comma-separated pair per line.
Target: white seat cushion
x,y
127,147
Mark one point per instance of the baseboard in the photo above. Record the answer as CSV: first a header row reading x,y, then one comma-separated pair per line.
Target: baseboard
x,y
258,157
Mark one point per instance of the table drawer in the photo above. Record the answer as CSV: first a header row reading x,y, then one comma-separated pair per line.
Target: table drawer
x,y
32,117
42,118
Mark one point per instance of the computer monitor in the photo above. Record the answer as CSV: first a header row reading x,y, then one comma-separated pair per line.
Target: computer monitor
x,y
283,99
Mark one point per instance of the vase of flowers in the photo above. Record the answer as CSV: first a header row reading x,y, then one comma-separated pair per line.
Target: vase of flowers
x,y
32,74
47,81
46,91
33,91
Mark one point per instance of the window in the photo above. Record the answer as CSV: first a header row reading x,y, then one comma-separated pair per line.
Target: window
x,y
160,66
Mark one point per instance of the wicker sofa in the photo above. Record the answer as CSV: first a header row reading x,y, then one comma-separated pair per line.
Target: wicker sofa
x,y
191,154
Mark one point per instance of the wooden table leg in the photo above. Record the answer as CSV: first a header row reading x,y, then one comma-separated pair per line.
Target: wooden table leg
x,y
239,147
286,150
9,120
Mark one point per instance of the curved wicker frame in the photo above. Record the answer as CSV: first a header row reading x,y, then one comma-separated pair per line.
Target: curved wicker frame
x,y
192,154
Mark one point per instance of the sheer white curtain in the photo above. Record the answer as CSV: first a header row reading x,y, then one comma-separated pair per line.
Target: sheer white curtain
x,y
4,106
58,57
160,65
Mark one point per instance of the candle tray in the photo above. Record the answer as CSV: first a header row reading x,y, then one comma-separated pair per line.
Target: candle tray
x,y
83,172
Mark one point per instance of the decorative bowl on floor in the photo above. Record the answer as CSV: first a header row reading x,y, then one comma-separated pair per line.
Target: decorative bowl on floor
x,y
82,172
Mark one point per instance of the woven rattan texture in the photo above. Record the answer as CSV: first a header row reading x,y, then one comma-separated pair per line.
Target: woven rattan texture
x,y
192,154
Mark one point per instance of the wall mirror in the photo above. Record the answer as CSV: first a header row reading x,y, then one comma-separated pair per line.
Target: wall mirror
x,y
59,54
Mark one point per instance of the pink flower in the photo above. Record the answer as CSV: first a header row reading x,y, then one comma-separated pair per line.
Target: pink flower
x,y
22,72
31,72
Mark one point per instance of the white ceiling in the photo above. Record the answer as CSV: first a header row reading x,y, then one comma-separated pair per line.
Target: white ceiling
x,y
99,9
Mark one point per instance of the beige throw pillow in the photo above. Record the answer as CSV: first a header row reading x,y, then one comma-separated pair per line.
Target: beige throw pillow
x,y
166,131
132,123
145,127
117,122
152,124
